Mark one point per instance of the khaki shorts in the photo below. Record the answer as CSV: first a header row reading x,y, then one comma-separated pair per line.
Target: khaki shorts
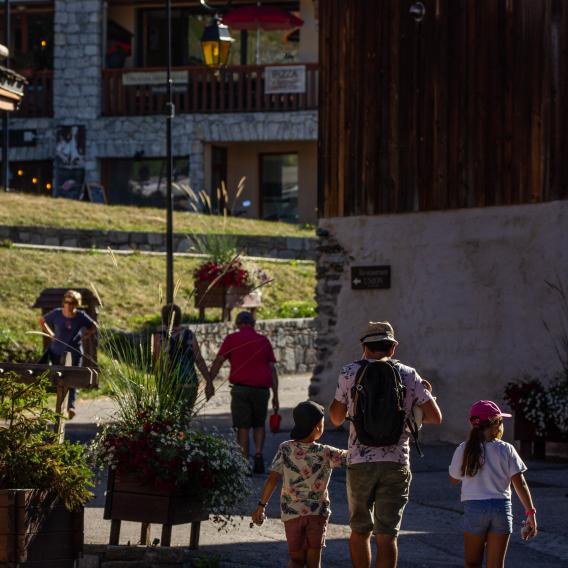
x,y
307,531
377,493
249,406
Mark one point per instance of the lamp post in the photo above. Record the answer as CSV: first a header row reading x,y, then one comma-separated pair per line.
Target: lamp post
x,y
5,121
215,45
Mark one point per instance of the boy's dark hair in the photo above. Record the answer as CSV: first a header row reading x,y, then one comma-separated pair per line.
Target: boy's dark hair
x,y
169,312
383,346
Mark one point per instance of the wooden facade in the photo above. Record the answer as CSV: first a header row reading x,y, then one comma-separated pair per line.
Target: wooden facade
x,y
467,108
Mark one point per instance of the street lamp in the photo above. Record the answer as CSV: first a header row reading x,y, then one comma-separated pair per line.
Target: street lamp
x,y
216,43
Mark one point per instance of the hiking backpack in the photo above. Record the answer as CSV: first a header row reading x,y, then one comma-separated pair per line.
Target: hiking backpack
x,y
378,403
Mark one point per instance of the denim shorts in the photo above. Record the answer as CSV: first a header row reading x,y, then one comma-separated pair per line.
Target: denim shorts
x,y
488,515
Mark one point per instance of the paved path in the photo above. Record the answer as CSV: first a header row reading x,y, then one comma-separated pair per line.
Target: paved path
x,y
431,535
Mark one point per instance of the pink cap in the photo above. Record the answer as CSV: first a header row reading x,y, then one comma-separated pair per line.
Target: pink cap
x,y
485,410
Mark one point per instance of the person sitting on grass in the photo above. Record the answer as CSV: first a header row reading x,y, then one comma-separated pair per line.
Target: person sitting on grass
x,y
304,466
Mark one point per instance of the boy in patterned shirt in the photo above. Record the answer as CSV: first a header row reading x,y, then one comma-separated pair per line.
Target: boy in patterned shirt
x,y
305,469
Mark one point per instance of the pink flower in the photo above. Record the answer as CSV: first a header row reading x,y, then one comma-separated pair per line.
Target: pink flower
x,y
299,453
306,472
318,485
305,511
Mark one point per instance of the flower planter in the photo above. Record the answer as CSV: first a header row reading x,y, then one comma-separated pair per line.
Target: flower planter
x,y
129,500
533,445
37,531
220,296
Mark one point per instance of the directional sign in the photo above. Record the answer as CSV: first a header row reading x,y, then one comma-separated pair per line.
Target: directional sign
x,y
370,277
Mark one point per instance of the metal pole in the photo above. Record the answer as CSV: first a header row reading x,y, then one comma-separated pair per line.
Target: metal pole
x,y
170,112
5,122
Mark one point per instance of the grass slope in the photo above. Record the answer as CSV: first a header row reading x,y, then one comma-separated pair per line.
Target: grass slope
x,y
129,290
30,210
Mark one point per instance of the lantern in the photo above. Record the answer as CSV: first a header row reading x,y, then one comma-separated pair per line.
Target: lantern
x,y
216,43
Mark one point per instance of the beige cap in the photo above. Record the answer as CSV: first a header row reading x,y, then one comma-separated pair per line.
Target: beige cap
x,y
378,331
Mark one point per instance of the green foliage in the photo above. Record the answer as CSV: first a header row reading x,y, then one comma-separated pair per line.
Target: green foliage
x,y
6,243
31,456
13,351
297,309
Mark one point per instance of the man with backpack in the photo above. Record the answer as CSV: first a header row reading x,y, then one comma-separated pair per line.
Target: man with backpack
x,y
378,395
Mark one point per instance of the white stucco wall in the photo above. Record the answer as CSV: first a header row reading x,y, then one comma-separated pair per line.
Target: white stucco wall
x,y
468,298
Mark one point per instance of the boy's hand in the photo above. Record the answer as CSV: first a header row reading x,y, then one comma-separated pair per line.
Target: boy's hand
x,y
531,522
258,516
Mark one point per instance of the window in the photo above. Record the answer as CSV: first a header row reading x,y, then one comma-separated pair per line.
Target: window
x,y
187,28
279,187
143,181
32,177
31,38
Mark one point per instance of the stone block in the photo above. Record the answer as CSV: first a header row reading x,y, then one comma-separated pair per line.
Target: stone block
x,y
52,241
89,561
70,243
125,553
155,239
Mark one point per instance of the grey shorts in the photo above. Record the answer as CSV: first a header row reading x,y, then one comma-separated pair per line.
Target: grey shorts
x,y
249,406
377,493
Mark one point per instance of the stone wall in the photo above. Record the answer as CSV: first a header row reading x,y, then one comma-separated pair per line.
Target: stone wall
x,y
468,299
273,247
103,556
293,341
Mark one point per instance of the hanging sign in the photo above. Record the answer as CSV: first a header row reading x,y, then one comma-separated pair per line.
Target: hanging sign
x,y
285,79
370,277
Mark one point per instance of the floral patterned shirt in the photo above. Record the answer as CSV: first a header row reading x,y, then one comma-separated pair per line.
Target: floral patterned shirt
x,y
415,393
306,471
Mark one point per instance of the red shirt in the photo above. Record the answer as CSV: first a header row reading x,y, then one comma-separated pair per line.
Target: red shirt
x,y
250,355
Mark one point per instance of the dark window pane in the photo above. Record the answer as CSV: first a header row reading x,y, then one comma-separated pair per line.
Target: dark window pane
x,y
32,177
143,182
279,187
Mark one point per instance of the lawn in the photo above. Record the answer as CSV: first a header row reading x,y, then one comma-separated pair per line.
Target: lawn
x,y
129,286
29,210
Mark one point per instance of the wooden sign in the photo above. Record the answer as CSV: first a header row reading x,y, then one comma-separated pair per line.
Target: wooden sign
x,y
153,77
370,277
285,79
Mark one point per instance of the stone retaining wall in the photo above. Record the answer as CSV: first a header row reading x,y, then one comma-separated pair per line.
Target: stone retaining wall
x,y
103,556
293,341
274,247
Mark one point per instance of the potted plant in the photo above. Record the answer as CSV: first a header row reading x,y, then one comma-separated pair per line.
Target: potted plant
x,y
161,469
44,484
541,412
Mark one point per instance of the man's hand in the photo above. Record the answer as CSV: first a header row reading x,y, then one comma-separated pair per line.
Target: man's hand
x,y
275,402
209,390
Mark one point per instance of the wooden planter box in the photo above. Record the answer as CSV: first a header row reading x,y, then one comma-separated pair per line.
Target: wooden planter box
x,y
533,445
220,296
37,531
129,500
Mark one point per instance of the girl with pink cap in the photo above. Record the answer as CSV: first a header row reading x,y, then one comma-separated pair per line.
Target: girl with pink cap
x,y
486,467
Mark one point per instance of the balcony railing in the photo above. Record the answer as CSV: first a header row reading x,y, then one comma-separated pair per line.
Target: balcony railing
x,y
135,92
38,94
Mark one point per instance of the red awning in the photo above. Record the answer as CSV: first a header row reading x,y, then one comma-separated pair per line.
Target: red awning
x,y
261,18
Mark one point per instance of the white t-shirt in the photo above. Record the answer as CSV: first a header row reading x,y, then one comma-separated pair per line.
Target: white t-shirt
x,y
493,480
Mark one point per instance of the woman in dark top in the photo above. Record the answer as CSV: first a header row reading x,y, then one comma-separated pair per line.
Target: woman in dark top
x,y
67,326
181,348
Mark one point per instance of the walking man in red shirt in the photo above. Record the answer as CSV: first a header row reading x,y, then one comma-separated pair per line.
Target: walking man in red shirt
x,y
253,374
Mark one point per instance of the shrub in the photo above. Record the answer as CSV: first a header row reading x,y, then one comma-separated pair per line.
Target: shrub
x,y
31,456
297,309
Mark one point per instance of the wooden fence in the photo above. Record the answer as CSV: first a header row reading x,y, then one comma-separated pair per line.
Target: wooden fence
x,y
466,108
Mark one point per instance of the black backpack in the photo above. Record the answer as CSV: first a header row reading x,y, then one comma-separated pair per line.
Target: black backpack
x,y
378,403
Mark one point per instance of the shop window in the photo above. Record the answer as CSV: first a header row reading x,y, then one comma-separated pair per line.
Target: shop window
x,y
32,177
279,187
143,181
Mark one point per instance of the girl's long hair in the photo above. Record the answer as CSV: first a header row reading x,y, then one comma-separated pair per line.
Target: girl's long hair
x,y
474,455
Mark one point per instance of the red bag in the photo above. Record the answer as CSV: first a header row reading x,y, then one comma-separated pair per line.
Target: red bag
x,y
275,420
